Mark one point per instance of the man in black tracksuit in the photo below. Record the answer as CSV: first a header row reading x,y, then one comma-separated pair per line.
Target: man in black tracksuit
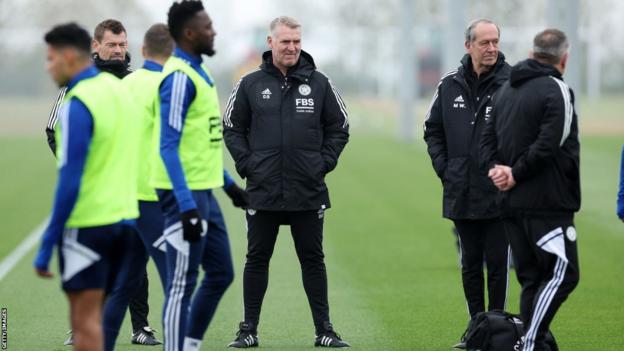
x,y
285,126
460,107
530,147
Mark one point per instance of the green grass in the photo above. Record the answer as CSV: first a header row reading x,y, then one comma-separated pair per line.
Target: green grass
x,y
26,187
392,265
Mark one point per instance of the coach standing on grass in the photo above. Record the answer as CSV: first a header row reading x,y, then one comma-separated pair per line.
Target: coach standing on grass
x,y
285,126
531,148
460,108
96,188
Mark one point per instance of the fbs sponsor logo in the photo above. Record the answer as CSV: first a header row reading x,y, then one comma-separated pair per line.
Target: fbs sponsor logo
x,y
304,105
266,94
488,113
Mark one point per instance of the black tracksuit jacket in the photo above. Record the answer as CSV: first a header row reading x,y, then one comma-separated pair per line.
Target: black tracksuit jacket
x,y
461,105
534,129
285,133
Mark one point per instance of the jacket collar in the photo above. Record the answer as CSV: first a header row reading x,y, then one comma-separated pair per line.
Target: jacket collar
x,y
498,71
301,71
193,60
118,68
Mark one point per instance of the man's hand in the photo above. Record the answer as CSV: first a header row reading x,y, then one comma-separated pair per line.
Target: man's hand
x,y
239,196
44,273
191,225
44,255
502,177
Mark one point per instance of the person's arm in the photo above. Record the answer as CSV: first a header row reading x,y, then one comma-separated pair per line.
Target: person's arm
x,y
335,127
228,181
77,130
488,145
620,201
554,129
434,135
236,122
176,94
53,118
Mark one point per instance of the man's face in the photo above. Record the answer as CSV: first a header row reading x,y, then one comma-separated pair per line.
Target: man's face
x,y
112,47
202,33
285,44
483,49
58,64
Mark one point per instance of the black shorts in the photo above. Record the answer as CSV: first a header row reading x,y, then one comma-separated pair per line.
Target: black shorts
x,y
90,258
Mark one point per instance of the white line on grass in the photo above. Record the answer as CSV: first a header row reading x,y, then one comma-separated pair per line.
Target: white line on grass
x,y
22,249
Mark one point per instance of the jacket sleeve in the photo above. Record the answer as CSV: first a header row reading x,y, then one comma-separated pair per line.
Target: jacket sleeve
x,y
488,144
554,129
620,200
335,127
53,118
434,134
236,123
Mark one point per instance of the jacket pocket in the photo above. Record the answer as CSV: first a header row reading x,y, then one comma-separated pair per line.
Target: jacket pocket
x,y
309,166
262,164
456,173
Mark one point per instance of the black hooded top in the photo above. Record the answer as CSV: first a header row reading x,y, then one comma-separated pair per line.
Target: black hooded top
x,y
534,129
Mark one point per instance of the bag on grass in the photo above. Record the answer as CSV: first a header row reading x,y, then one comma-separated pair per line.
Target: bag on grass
x,y
499,331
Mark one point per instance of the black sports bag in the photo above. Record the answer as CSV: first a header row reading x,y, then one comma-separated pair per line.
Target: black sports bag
x,y
498,331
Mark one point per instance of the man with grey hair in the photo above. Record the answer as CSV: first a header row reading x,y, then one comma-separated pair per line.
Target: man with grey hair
x,y
285,126
530,147
460,108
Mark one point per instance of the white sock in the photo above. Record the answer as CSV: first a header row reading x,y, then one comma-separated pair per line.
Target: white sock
x,y
191,344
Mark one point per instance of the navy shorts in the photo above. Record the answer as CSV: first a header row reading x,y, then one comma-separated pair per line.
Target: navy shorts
x,y
90,258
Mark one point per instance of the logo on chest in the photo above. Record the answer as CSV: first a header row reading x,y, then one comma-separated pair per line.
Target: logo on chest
x,y
459,102
304,105
305,89
266,94
488,113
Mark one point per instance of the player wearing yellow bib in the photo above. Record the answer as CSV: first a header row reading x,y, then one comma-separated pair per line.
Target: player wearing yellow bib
x,y
187,165
96,188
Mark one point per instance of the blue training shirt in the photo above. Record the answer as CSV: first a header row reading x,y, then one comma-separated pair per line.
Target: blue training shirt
x,y
77,131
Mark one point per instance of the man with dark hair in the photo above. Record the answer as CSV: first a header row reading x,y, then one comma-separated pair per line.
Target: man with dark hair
x,y
187,165
109,49
109,54
531,148
285,127
96,189
460,108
